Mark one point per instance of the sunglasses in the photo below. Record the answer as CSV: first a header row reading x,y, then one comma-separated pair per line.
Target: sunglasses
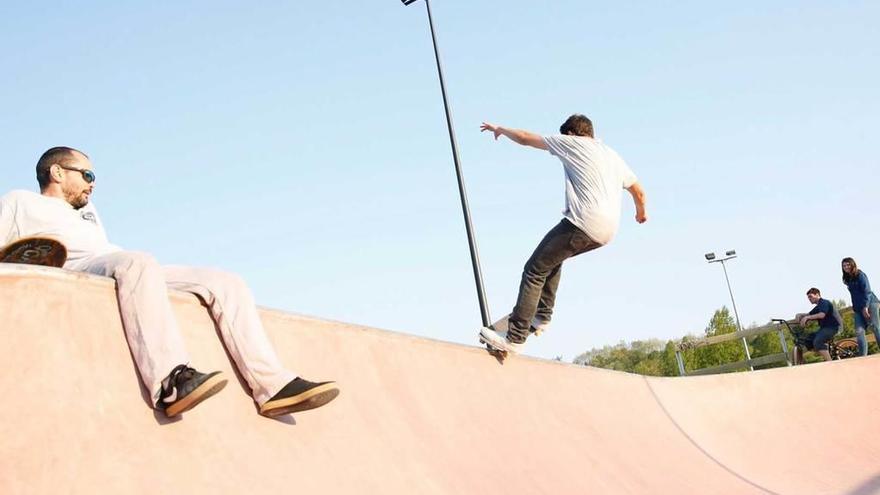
x,y
87,175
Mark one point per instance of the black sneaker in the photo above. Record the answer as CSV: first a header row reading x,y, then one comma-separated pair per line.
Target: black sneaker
x,y
299,395
185,387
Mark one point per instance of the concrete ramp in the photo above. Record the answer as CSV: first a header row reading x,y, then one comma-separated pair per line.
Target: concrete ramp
x,y
415,416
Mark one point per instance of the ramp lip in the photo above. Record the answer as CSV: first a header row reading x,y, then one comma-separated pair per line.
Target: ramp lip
x,y
36,271
50,272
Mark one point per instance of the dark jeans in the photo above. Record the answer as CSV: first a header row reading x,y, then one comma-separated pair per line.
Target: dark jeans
x,y
861,325
540,278
823,337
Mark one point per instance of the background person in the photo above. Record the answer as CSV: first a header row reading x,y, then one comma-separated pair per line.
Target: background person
x,y
866,307
828,317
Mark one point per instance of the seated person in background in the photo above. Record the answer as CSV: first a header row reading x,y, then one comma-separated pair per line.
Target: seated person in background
x,y
829,321
62,211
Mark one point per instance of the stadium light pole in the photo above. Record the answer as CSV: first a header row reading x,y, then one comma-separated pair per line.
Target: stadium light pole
x,y
729,255
472,243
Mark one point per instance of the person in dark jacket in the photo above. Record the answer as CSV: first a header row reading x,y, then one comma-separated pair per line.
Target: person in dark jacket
x,y
866,306
828,318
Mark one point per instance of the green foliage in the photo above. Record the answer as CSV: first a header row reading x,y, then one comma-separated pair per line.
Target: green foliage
x,y
713,355
849,326
647,357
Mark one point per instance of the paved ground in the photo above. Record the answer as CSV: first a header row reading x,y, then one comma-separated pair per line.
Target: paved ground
x,y
415,416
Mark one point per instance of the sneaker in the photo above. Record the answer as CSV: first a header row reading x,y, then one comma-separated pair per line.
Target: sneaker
x,y
538,326
299,395
185,387
499,341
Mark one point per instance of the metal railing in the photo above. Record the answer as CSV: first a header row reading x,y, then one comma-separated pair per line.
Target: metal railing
x,y
745,363
784,356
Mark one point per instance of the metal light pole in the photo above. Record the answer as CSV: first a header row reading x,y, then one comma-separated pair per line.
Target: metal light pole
x,y
729,255
472,243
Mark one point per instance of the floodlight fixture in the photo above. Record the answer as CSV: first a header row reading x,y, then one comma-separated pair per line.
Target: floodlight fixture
x,y
729,255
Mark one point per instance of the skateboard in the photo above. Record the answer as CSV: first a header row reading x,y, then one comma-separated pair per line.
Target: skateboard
x,y
34,251
499,326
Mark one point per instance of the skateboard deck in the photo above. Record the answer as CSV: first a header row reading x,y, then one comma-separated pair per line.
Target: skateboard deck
x,y
502,325
34,251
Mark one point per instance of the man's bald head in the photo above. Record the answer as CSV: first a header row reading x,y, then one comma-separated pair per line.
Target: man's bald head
x,y
59,155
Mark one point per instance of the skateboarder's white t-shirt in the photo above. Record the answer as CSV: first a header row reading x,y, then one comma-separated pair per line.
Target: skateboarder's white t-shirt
x,y
26,213
595,177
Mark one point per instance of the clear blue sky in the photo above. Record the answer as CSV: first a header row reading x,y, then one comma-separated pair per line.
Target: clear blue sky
x,y
303,145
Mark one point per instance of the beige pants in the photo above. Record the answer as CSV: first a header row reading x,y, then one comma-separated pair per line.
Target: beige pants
x,y
152,331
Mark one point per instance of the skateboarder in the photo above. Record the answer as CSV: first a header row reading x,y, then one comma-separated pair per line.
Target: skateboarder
x,y
829,321
595,176
62,210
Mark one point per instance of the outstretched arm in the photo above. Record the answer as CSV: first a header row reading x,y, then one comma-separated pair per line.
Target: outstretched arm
x,y
638,195
518,136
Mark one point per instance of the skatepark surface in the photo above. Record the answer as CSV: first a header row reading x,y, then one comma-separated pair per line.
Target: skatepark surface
x,y
415,416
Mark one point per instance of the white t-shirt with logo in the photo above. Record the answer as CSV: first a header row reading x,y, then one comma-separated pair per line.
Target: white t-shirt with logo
x,y
26,214
595,177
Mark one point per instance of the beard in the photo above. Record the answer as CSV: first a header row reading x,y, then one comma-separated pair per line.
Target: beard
x,y
77,199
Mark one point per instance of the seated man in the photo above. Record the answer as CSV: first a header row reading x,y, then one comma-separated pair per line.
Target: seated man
x,y
63,211
829,321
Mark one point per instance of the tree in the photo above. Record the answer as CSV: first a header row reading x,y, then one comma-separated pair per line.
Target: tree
x,y
643,357
721,323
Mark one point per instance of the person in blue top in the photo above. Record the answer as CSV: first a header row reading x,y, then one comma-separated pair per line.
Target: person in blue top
x,y
866,306
828,318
